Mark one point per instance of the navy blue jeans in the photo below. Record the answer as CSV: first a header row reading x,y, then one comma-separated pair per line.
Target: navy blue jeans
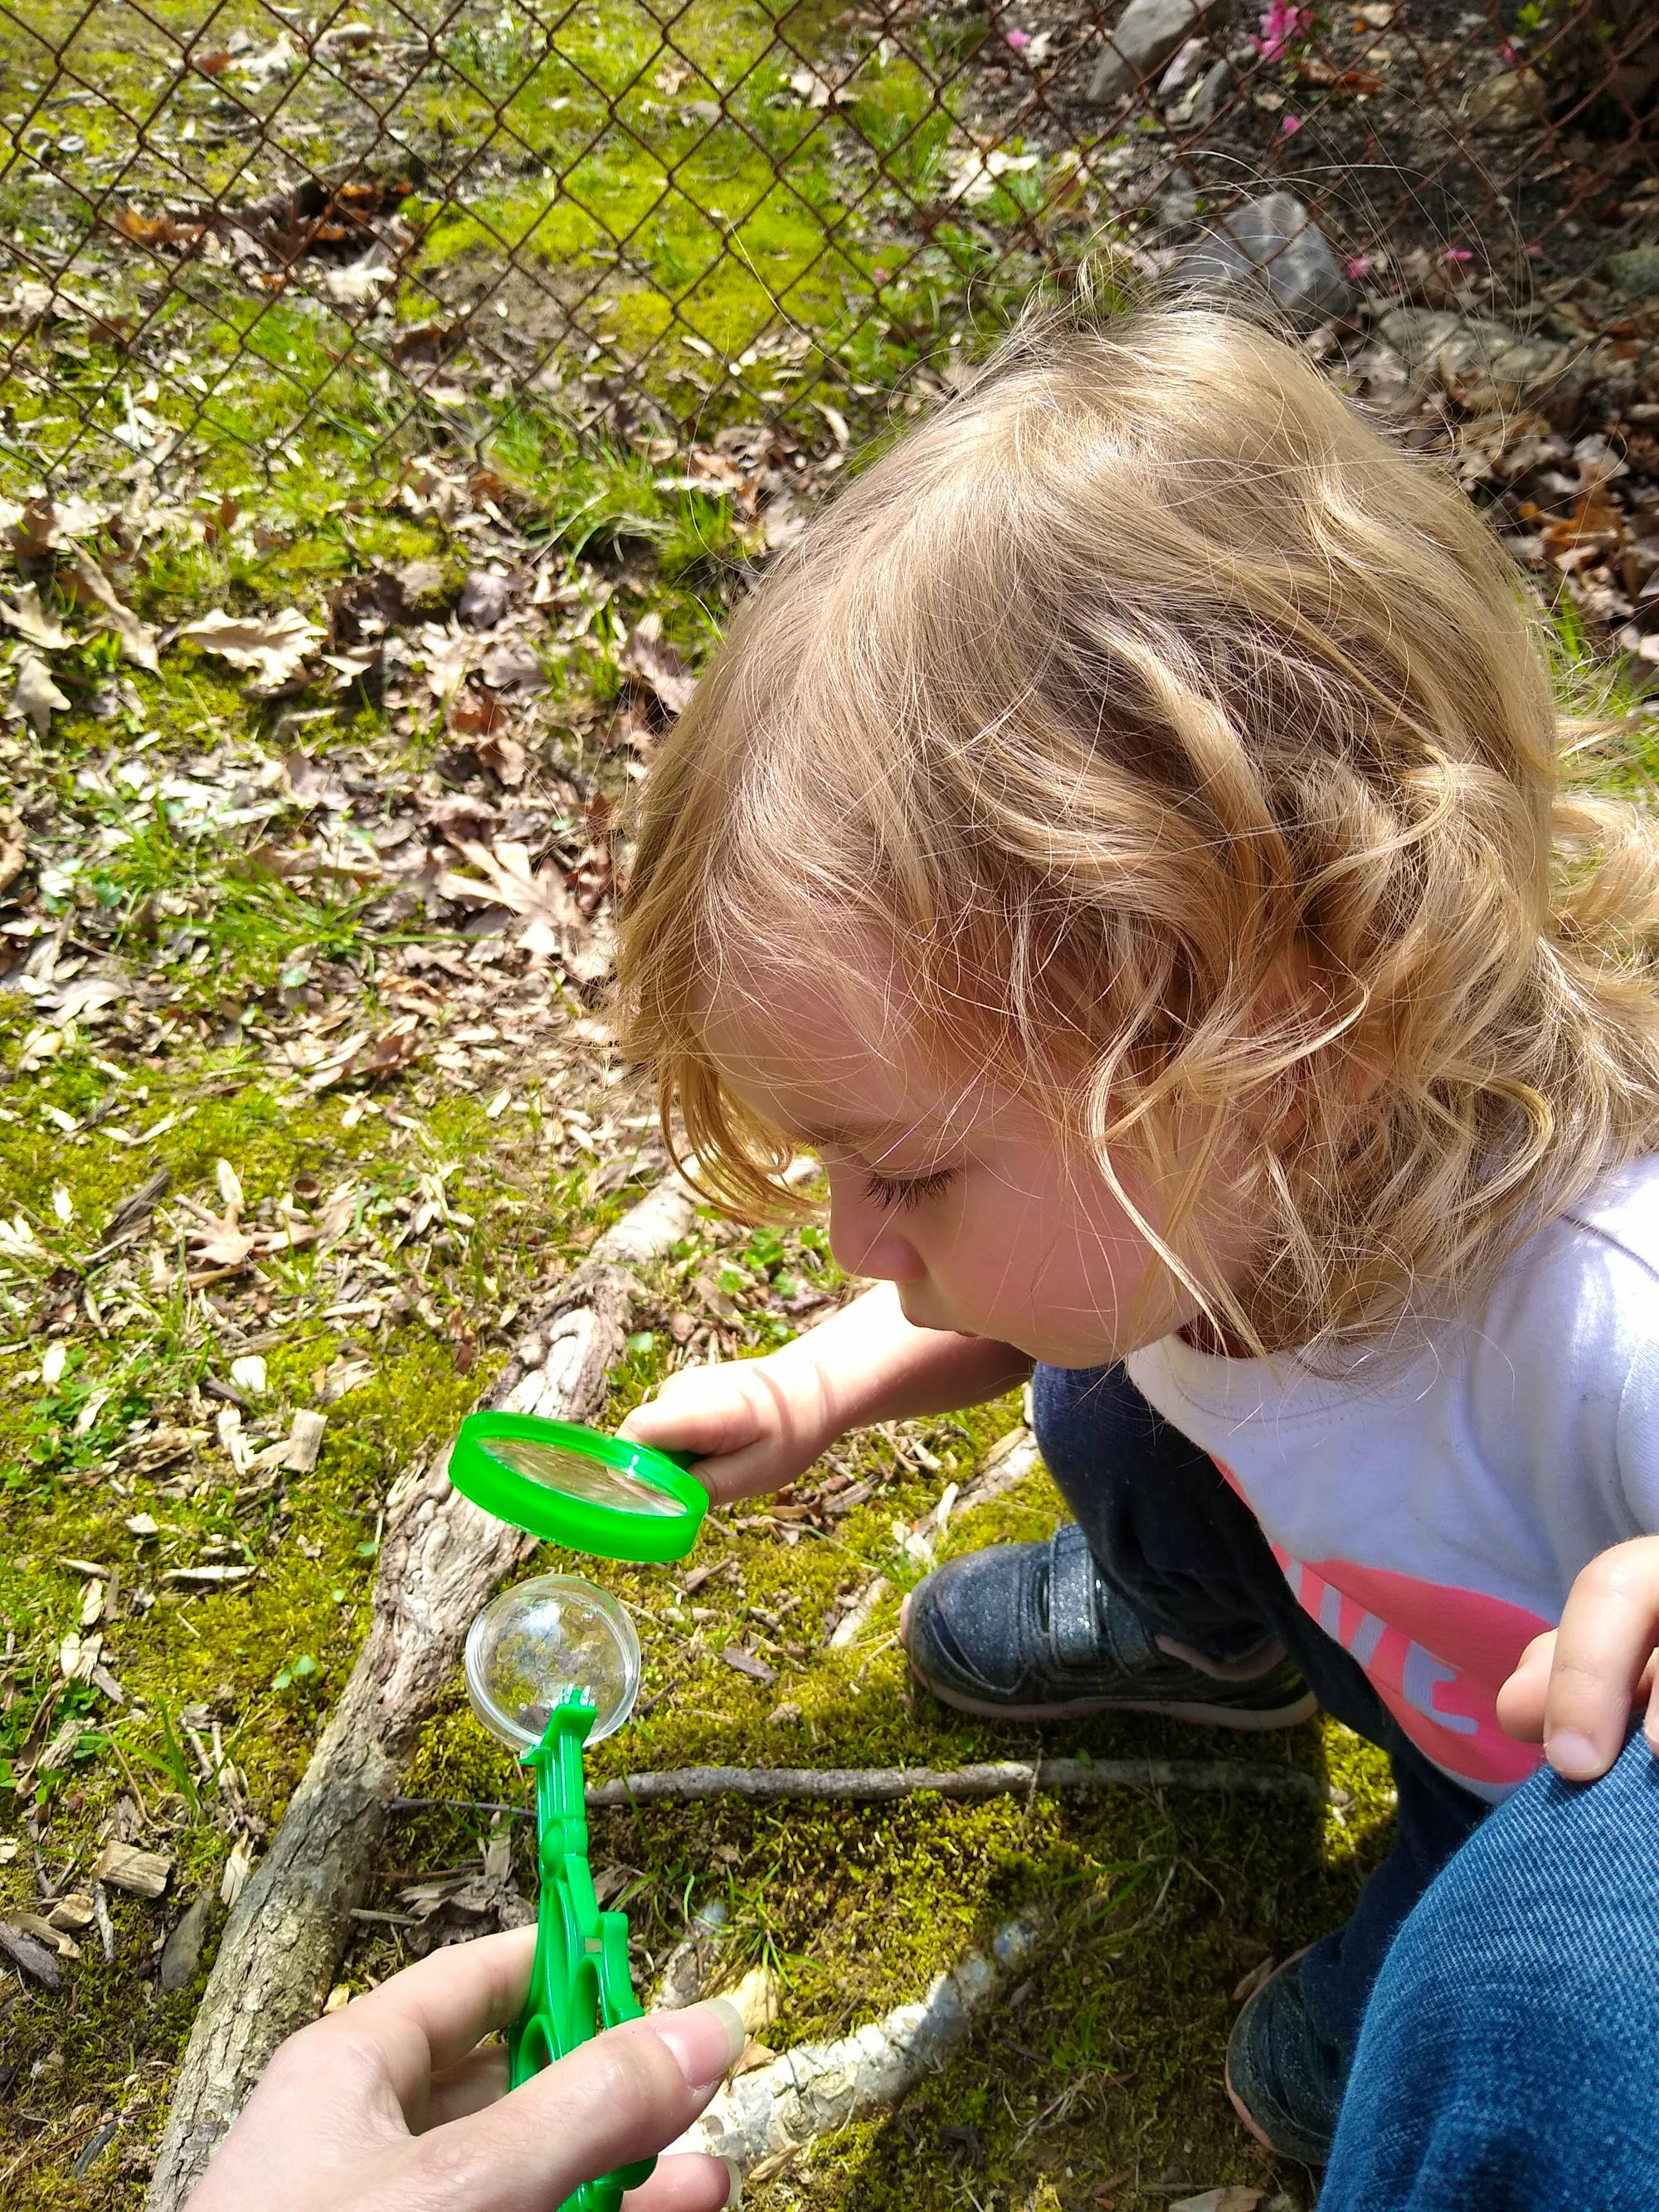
x,y
1170,1535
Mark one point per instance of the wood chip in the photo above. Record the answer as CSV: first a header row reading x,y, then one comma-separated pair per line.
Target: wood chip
x,y
141,1874
304,1443
57,1940
207,1574
74,1913
746,1663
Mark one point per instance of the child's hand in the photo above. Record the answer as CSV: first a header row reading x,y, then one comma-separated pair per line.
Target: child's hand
x,y
393,2104
751,1424
1574,1687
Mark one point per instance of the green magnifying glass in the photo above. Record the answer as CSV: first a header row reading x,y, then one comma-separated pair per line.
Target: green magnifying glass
x,y
575,1487
553,1665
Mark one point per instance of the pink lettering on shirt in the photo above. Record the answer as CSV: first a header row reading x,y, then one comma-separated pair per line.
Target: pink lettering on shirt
x,y
1435,1655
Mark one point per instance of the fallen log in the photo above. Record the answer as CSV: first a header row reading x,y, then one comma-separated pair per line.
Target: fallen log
x,y
441,1560
761,2116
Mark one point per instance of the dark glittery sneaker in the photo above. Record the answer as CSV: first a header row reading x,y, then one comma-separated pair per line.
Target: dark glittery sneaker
x,y
1029,1633
1284,2081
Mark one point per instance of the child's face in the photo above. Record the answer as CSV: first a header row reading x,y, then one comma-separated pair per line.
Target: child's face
x,y
962,1196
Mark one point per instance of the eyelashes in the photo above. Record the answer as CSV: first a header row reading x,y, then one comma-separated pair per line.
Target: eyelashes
x,y
885,1190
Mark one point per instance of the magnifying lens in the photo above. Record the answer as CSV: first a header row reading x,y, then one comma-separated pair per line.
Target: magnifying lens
x,y
575,1487
542,1642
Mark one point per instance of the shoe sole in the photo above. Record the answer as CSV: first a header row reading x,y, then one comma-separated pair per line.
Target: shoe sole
x,y
1245,2115
1202,1716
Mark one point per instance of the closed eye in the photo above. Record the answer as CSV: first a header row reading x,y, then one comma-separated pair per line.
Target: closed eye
x,y
904,1192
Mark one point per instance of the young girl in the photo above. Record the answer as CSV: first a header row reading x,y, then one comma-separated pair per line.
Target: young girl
x,y
1124,839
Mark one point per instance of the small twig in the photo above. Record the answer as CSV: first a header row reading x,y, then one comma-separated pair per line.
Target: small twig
x,y
457,1805
877,1785
871,1785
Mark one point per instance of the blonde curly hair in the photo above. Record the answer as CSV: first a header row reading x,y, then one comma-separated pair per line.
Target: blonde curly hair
x,y
1192,746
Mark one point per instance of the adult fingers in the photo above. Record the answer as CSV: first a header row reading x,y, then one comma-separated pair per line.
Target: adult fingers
x,y
1604,1642
479,2079
619,2097
423,2021
689,2181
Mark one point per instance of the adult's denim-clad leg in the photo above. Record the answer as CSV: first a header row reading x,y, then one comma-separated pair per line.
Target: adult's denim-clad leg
x,y
1509,2057
1171,1537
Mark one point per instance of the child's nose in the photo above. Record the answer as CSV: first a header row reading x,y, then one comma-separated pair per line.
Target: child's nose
x,y
863,1238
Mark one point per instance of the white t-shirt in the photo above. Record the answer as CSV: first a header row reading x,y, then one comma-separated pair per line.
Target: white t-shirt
x,y
1431,1503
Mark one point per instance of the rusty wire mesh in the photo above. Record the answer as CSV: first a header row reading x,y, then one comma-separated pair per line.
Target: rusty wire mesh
x,y
235,233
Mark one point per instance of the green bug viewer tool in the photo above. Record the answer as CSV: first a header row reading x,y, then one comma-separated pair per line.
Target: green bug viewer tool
x,y
575,1487
553,1664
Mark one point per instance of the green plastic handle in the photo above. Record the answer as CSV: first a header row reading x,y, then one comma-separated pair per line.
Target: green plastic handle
x,y
579,1980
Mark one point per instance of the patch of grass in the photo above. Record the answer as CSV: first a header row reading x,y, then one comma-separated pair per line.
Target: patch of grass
x,y
719,238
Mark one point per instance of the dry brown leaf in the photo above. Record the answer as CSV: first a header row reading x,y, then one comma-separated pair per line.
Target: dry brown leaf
x,y
31,621
92,588
513,664
224,1243
155,229
274,647
511,878
657,666
34,697
507,760
448,656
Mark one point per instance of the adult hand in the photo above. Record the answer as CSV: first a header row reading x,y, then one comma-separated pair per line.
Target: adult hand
x,y
394,2103
1574,1688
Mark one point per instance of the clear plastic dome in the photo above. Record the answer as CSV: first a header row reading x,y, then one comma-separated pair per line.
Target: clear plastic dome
x,y
537,1642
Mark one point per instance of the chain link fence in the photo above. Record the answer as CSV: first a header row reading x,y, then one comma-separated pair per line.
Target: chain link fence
x,y
238,235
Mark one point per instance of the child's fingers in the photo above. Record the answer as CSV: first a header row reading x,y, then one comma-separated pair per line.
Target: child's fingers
x,y
1602,1647
707,1422
1520,1699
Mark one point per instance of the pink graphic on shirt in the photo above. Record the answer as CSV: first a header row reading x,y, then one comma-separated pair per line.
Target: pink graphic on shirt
x,y
1435,1655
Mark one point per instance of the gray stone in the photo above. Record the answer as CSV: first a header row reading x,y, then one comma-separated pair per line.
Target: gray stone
x,y
1464,342
1635,272
181,1953
1143,39
1213,89
1274,242
1471,346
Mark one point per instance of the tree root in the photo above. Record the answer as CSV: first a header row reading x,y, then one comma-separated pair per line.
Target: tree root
x,y
441,1560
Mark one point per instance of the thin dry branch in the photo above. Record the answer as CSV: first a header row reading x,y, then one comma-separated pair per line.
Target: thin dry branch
x,y
441,1560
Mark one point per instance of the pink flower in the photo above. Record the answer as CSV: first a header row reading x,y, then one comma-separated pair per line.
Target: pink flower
x,y
1018,38
1358,267
1289,123
1506,52
1458,253
1280,23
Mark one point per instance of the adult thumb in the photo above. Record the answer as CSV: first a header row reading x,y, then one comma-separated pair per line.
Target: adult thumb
x,y
621,2097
